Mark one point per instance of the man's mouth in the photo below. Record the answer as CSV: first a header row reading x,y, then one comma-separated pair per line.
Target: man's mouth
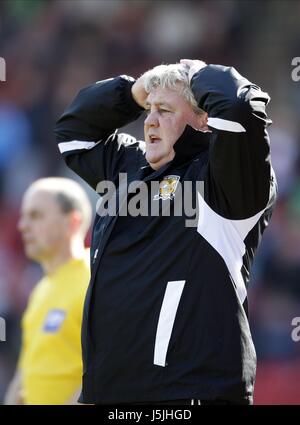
x,y
27,240
154,139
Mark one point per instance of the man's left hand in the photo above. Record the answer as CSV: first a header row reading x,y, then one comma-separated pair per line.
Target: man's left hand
x,y
193,66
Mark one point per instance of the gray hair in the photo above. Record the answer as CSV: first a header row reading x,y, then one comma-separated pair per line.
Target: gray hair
x,y
174,77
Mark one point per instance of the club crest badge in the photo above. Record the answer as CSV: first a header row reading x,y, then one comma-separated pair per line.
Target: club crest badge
x,y
167,188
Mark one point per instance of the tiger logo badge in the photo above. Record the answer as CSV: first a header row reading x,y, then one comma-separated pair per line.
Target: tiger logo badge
x,y
167,188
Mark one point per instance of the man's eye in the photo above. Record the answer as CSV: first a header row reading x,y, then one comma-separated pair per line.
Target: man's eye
x,y
160,111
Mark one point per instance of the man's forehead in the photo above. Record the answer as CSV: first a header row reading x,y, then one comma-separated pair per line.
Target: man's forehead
x,y
162,96
37,199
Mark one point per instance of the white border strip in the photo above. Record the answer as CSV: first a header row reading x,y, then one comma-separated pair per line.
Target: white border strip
x,y
166,320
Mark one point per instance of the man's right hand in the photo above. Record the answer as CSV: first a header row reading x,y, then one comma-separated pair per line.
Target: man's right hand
x,y
138,92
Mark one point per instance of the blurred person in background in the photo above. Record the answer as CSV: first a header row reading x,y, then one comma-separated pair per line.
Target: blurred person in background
x,y
165,317
55,217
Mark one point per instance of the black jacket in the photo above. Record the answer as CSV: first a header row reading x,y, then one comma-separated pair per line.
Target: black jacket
x,y
165,314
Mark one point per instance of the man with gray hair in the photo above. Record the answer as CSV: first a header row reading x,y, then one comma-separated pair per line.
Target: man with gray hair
x,y
54,220
166,318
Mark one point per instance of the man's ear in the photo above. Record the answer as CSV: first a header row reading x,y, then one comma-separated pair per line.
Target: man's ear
x,y
200,121
75,222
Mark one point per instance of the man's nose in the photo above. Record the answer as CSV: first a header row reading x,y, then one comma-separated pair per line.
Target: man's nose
x,y
152,119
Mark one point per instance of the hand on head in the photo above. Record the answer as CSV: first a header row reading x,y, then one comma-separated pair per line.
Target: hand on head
x,y
193,66
139,93
138,90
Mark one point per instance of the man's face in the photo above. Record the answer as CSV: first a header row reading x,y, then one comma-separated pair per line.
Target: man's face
x,y
43,226
168,114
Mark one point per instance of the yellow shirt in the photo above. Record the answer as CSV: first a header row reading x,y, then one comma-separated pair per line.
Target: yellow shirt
x,y
50,359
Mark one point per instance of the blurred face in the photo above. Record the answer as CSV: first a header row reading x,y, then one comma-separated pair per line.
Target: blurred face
x,y
168,113
43,226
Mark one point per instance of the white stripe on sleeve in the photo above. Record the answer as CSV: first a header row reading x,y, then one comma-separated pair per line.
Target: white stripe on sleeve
x,y
226,125
76,144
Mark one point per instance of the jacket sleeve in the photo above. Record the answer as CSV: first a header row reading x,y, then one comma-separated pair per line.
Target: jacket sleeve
x,y
87,136
240,181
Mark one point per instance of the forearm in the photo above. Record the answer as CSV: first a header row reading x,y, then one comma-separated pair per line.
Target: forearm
x,y
239,165
98,110
225,94
84,132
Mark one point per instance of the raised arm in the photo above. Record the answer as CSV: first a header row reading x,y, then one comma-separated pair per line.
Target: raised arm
x,y
86,132
240,176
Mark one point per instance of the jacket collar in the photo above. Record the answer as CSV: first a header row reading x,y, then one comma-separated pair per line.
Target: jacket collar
x,y
190,144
